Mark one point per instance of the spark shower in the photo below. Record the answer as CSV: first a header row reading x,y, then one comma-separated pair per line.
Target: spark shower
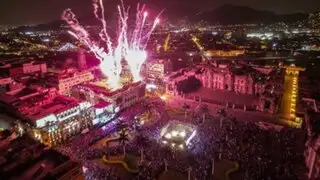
x,y
131,49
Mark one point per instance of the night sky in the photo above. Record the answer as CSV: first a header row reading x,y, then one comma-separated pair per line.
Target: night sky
x,y
18,12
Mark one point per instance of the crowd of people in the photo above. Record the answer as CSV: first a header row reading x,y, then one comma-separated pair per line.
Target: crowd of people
x,y
261,154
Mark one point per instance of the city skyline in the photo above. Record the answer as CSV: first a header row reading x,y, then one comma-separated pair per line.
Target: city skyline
x,y
37,12
171,89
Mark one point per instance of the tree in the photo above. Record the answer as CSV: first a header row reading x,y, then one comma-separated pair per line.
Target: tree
x,y
136,124
185,107
122,129
120,126
188,85
204,110
5,133
123,139
222,113
142,140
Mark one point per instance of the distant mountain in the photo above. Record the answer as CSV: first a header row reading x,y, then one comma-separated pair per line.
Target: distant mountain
x,y
87,19
54,25
226,14
230,14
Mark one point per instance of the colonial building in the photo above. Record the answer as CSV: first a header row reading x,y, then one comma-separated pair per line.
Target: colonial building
x,y
27,68
173,80
260,83
66,80
46,115
157,69
240,79
122,98
224,53
14,76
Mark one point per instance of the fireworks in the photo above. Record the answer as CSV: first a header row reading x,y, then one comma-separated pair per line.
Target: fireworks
x,y
131,49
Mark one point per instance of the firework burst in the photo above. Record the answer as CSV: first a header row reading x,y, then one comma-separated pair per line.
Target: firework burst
x,y
131,49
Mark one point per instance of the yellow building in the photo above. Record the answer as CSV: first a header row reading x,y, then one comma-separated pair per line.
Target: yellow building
x,y
224,53
290,94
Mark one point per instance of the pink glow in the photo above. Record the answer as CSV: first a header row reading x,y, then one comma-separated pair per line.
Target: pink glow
x,y
131,49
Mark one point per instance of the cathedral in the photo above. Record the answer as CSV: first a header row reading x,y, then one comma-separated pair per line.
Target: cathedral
x,y
264,83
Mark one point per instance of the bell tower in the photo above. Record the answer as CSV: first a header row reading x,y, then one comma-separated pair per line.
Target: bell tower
x,y
290,94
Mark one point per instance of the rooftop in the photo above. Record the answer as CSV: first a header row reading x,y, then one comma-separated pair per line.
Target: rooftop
x,y
100,87
16,95
53,106
36,105
102,104
24,158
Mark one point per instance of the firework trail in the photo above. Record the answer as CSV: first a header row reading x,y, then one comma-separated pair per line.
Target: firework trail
x,y
131,49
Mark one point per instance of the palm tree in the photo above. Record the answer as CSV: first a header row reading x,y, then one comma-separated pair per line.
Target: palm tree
x,y
165,165
222,113
204,109
149,108
142,140
185,107
123,137
212,166
189,172
120,126
141,155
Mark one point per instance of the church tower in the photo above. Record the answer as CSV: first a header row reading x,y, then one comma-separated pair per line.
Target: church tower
x,y
82,62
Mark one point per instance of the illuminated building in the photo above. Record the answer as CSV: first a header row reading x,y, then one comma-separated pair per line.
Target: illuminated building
x,y
290,94
177,135
47,116
314,20
67,47
26,68
66,80
157,69
97,92
182,76
104,112
262,36
260,86
224,53
166,43
242,80
200,47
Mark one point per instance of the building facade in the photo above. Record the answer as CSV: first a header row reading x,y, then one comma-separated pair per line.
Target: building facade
x,y
65,81
236,79
28,68
239,79
157,69
123,98
46,115
172,80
